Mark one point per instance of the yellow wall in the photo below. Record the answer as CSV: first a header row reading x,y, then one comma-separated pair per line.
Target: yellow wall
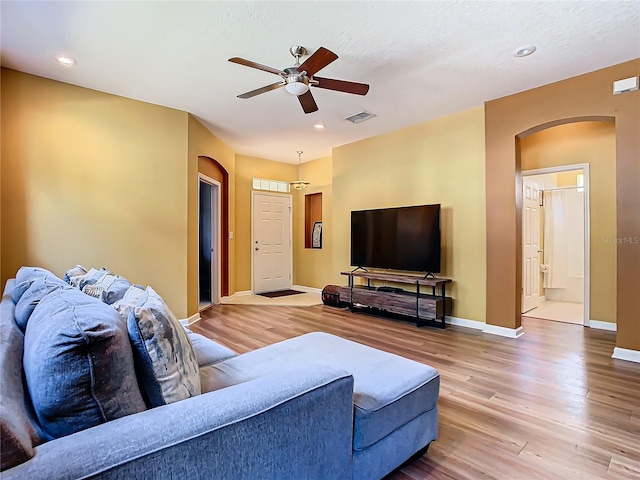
x,y
441,161
94,179
313,266
246,169
203,142
593,143
570,178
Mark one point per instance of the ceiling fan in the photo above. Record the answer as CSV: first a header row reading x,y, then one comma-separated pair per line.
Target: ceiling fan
x,y
297,79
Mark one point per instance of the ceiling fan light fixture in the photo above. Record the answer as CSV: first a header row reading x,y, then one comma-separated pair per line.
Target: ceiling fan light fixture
x,y
297,88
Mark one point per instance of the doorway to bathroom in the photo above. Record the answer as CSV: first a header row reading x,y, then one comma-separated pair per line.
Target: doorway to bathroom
x,y
555,242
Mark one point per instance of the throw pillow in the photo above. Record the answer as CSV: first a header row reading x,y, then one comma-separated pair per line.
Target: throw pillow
x,y
109,288
130,299
18,433
74,272
25,277
78,364
89,278
39,288
165,360
75,280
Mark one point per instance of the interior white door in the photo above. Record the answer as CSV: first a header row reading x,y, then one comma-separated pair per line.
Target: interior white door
x,y
271,243
530,245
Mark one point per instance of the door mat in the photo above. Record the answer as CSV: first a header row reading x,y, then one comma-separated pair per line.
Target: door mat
x,y
279,293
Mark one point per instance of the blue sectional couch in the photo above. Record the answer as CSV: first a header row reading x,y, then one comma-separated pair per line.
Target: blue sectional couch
x,y
312,407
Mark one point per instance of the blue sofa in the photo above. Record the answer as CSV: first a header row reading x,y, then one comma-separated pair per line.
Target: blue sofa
x,y
314,407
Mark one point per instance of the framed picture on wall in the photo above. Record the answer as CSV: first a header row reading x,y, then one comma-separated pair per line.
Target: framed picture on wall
x,y
316,235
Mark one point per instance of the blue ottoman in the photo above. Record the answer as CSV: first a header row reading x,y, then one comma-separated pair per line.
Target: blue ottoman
x,y
395,399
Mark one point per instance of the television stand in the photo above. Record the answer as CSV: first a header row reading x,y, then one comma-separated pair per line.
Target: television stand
x,y
426,309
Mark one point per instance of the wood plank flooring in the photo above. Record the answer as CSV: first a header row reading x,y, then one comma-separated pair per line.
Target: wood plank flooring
x,y
549,405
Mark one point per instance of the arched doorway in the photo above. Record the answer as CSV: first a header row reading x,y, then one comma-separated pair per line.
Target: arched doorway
x,y
213,221
555,147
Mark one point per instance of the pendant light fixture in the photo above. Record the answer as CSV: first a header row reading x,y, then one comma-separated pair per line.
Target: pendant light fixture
x,y
299,184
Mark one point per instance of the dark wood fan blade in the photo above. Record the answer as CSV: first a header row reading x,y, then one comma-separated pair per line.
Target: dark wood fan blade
x,y
307,102
316,62
249,63
342,85
258,91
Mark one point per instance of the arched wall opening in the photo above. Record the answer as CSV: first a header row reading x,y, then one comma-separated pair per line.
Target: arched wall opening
x,y
586,97
589,141
213,169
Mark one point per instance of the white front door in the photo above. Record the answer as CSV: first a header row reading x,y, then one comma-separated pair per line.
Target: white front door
x,y
530,245
271,242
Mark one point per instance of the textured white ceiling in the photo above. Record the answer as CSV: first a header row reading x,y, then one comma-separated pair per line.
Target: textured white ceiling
x,y
422,59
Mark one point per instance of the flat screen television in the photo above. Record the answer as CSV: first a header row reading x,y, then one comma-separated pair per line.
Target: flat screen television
x,y
401,238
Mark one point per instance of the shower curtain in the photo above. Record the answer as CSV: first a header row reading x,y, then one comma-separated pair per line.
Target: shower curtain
x,y
555,239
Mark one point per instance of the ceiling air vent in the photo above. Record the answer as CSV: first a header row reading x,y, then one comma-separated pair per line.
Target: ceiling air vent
x,y
360,117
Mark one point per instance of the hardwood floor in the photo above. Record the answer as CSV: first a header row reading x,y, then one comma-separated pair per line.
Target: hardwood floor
x,y
549,405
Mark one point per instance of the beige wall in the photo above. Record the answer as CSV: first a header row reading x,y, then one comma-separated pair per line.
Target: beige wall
x,y
570,178
246,169
203,143
509,119
592,143
313,266
94,179
441,161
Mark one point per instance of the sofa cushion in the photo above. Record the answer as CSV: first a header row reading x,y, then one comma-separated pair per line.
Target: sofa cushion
x,y
18,431
78,364
389,390
38,289
109,288
166,363
74,272
25,277
208,351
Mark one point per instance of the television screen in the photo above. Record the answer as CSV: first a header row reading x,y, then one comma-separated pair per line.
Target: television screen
x,y
403,238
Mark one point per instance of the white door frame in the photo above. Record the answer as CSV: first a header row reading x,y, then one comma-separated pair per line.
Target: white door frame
x,y
216,215
253,196
587,226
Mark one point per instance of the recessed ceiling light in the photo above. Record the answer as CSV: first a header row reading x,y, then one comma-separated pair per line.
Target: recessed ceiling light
x,y
65,60
318,126
524,51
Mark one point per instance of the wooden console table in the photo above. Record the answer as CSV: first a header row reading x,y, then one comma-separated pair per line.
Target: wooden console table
x,y
426,309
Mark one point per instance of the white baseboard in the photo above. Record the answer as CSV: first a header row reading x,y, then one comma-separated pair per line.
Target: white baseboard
x,y
464,322
490,329
242,293
503,331
626,354
302,288
191,320
612,327
543,298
